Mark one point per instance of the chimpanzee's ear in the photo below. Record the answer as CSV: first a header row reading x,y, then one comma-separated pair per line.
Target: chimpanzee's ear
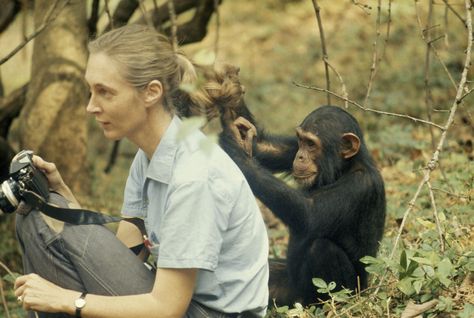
x,y
350,145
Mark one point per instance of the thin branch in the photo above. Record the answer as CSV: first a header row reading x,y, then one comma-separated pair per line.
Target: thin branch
x,y
450,7
459,196
446,33
109,15
156,12
373,68
6,269
369,109
389,23
148,20
174,26
435,157
4,300
343,86
216,40
435,214
46,22
426,36
317,10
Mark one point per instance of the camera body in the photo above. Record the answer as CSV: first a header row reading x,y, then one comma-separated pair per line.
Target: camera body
x,y
23,176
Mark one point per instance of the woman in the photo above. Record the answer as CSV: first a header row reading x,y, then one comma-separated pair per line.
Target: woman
x,y
203,224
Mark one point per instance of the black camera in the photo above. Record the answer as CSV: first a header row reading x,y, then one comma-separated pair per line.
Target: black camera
x,y
23,176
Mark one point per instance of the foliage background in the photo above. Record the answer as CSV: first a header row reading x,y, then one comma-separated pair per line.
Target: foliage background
x,y
276,42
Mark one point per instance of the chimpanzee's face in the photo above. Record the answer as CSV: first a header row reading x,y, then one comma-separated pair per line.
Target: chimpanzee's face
x,y
305,169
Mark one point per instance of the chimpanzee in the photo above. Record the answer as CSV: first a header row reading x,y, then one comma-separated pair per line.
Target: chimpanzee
x,y
337,215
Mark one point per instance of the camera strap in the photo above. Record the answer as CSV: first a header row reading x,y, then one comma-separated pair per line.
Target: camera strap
x,y
72,216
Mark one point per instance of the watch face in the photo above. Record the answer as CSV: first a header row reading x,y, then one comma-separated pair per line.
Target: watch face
x,y
80,303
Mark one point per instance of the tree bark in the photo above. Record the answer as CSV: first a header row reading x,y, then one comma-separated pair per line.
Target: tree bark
x,y
53,121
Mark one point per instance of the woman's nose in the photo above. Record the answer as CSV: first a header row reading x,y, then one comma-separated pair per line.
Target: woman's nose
x,y
92,107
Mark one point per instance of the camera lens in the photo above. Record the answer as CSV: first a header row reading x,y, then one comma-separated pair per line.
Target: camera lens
x,y
9,192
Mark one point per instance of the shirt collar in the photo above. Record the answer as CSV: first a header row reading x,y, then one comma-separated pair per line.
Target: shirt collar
x,y
161,164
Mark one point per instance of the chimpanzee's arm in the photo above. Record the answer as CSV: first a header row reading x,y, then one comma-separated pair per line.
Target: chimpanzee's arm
x,y
273,152
289,204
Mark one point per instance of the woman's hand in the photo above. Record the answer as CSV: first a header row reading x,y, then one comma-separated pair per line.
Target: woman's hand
x,y
56,182
38,294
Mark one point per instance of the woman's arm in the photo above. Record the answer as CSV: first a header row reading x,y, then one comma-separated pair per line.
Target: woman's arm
x,y
170,297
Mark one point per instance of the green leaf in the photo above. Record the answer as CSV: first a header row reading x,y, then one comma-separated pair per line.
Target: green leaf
x,y
468,311
405,286
331,285
429,225
417,285
318,282
204,57
445,267
370,260
188,87
189,125
208,144
282,309
403,260
422,260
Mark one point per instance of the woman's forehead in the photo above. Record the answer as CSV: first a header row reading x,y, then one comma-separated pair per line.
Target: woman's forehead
x,y
101,68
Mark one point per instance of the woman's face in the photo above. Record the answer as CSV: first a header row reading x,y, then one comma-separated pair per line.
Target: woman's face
x,y
118,107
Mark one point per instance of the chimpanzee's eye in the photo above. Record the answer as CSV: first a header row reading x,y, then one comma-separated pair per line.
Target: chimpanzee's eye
x,y
310,143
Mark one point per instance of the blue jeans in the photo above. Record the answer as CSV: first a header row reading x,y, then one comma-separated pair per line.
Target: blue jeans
x,y
86,258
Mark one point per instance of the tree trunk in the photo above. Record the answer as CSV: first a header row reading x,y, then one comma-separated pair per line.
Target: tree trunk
x,y
53,121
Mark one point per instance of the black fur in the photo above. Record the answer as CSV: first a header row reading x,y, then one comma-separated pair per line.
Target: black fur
x,y
333,223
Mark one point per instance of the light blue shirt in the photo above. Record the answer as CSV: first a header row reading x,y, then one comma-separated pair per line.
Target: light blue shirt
x,y
200,212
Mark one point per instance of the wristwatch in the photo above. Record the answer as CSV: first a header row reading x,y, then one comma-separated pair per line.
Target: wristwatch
x,y
80,303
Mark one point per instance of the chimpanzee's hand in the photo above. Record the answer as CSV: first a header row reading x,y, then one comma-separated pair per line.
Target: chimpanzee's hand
x,y
243,132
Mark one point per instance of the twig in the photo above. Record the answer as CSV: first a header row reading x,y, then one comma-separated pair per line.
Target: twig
x,y
369,109
446,33
435,213
343,86
147,18
4,300
459,196
426,36
435,157
156,12
317,10
373,68
455,13
174,26
6,269
109,15
389,23
47,21
216,40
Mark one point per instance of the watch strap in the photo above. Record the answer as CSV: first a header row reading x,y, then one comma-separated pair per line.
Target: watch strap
x,y
78,309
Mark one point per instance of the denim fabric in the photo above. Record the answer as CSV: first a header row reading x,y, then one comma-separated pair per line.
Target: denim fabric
x,y
85,258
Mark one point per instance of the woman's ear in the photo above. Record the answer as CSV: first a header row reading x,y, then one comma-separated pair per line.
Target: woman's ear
x,y
350,145
153,92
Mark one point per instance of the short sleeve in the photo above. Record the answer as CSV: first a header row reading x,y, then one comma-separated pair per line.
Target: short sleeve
x,y
190,233
133,193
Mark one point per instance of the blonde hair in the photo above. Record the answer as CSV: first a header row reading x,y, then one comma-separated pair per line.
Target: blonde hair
x,y
147,55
